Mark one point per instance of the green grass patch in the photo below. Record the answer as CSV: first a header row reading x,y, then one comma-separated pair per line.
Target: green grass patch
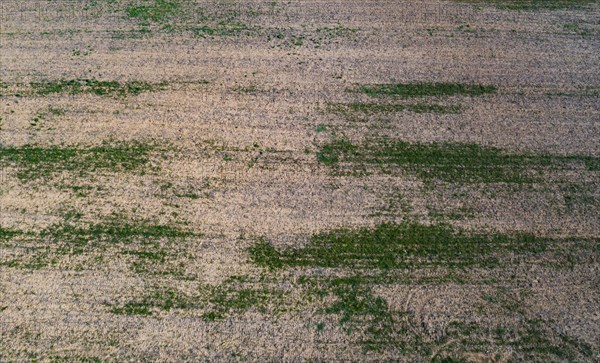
x,y
73,359
96,87
217,302
158,256
359,309
334,151
157,11
142,242
449,162
162,298
220,28
337,31
530,340
530,5
409,90
34,162
149,247
189,195
393,246
114,232
574,28
363,314
176,16
7,233
225,300
130,34
369,257
584,196
315,38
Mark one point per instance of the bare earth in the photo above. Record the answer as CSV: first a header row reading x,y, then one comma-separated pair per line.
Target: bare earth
x,y
100,261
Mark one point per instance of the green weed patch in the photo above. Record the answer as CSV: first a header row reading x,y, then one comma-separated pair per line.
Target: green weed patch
x,y
7,233
163,298
381,255
188,17
449,162
141,242
217,302
530,5
34,162
96,87
391,246
112,232
227,299
157,11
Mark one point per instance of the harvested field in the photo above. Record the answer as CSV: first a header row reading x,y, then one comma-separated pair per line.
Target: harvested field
x,y
223,180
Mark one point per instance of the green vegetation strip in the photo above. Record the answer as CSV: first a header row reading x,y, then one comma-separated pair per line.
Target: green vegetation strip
x,y
179,16
144,244
158,11
164,299
450,162
7,233
356,262
409,90
218,301
391,246
112,232
93,86
371,257
221,28
35,162
532,4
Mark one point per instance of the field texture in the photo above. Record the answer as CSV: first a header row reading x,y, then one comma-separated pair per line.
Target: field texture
x,y
326,180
